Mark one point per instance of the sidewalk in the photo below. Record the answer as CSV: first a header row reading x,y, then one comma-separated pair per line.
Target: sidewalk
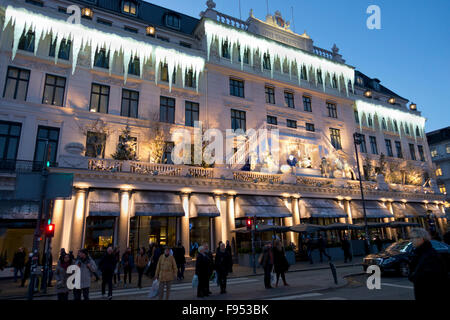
x,y
10,290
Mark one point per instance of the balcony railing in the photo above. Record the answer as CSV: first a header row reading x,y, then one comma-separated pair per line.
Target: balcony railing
x,y
109,165
19,166
246,176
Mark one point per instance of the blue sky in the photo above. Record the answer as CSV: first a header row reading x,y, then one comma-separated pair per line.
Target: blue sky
x,y
410,54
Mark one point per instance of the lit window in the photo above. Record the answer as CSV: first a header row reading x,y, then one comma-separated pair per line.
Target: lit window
x,y
129,7
442,188
335,135
447,148
434,152
360,81
438,172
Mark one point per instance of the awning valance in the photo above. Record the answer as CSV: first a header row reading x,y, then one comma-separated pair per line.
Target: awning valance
x,y
261,206
203,205
322,208
374,209
402,210
18,209
419,209
102,209
158,204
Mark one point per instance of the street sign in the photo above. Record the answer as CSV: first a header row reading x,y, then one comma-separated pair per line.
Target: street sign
x,y
29,186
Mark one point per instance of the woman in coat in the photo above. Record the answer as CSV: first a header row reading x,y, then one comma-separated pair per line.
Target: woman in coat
x,y
428,270
166,272
280,262
87,268
61,277
202,267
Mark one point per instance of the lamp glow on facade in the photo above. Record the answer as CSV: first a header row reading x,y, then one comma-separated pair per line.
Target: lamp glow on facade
x,y
150,30
368,93
87,12
413,106
391,100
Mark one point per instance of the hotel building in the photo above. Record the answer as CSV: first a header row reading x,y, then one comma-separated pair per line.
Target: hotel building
x,y
129,73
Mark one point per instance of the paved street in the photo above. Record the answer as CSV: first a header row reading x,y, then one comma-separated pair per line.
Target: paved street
x,y
304,285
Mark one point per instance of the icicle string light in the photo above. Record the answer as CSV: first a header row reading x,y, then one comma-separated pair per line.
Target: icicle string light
x,y
23,20
404,119
244,40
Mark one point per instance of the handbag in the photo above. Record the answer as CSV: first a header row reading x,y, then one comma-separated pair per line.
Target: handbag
x,y
195,281
154,289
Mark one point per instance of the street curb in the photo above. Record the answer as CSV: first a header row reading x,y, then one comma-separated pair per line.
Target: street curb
x,y
237,277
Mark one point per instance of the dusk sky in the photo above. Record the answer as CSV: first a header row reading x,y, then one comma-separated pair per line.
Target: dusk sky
x,y
410,54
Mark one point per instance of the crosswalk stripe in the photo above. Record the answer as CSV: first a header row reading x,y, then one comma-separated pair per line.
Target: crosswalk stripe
x,y
177,287
396,285
300,296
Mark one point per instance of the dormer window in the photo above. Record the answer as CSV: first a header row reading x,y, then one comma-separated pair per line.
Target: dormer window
x,y
360,81
173,21
375,85
129,7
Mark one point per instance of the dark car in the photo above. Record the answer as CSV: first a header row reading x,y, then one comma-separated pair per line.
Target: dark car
x,y
396,257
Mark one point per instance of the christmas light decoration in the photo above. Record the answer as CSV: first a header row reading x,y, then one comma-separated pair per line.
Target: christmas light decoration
x,y
82,36
292,56
403,118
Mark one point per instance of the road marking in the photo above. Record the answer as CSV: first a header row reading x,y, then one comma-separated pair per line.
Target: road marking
x,y
300,296
176,287
396,285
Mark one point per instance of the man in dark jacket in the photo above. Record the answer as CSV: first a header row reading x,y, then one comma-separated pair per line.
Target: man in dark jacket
x,y
107,266
202,271
18,263
222,265
211,268
128,265
322,248
179,255
267,264
346,248
428,272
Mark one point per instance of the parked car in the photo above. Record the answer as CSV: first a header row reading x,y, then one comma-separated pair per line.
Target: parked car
x,y
397,256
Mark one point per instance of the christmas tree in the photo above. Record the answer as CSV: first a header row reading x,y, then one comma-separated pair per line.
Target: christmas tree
x,y
126,148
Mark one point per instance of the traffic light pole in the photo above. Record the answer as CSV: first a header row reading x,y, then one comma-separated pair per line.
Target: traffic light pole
x,y
37,230
253,245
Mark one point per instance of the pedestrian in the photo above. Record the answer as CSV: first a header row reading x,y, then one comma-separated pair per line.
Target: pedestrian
x,y
230,252
71,255
345,245
166,271
27,271
87,268
379,243
48,259
211,268
107,266
62,254
280,263
322,248
309,248
202,272
117,265
218,246
267,264
179,255
61,276
222,266
155,258
141,263
127,265
428,271
18,263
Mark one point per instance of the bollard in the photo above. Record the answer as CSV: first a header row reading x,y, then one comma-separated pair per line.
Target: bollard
x,y
333,271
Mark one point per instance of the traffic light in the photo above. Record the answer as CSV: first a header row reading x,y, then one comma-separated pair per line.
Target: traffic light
x,y
50,230
249,224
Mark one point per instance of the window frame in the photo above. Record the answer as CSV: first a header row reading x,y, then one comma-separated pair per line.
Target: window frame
x,y
8,137
237,86
128,100
18,79
64,45
421,153
131,4
335,138
103,60
54,86
272,120
53,153
389,151
189,108
164,109
412,152
269,94
399,149
288,98
291,123
373,144
307,103
332,110
238,116
101,95
309,126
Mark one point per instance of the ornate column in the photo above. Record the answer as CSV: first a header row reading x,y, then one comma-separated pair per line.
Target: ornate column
x,y
231,224
387,220
185,242
58,220
123,237
219,221
78,221
348,210
289,221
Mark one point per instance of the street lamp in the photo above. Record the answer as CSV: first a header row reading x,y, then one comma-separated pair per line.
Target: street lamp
x,y
358,139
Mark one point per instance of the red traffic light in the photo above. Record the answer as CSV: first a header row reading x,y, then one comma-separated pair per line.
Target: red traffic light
x,y
50,231
249,224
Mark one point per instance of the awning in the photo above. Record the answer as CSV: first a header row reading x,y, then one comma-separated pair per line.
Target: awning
x,y
322,208
261,206
18,209
104,209
158,204
419,209
402,210
203,205
435,210
401,224
374,209
342,226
